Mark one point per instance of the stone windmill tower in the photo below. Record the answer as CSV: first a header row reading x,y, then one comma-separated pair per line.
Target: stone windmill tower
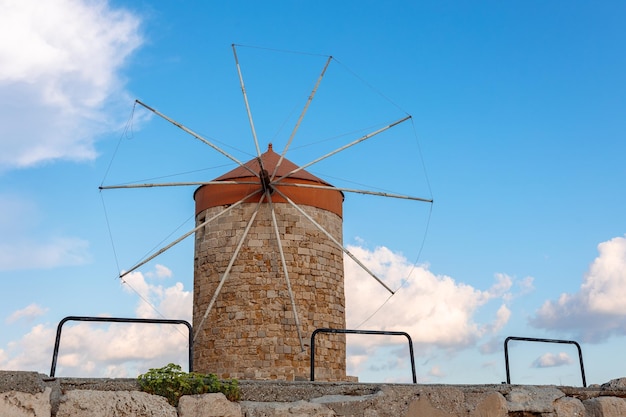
x,y
255,307
268,262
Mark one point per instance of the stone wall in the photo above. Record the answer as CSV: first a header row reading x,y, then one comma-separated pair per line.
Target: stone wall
x,y
28,394
250,332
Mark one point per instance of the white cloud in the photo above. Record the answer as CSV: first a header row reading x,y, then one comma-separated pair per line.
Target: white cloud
x,y
110,350
502,318
550,360
433,309
160,271
59,77
598,309
33,352
28,313
170,302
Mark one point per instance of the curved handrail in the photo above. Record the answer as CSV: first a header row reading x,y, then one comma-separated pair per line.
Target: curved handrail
x,y
57,340
348,331
532,339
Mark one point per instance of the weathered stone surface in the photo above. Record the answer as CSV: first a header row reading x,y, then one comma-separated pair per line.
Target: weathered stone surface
x,y
208,405
492,404
87,403
605,407
446,398
422,407
454,402
99,384
294,409
350,404
39,396
24,404
615,384
533,399
282,391
28,382
569,407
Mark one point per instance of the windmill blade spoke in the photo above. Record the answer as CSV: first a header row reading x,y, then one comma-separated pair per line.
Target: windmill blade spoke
x,y
335,241
197,136
352,190
229,267
285,270
186,235
245,99
306,107
361,139
173,184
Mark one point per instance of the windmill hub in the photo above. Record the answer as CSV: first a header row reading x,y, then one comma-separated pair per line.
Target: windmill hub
x,y
266,181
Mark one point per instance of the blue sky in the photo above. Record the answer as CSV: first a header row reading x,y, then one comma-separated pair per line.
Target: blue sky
x,y
518,133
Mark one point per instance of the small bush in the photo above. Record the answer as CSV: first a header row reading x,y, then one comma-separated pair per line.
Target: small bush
x,y
172,383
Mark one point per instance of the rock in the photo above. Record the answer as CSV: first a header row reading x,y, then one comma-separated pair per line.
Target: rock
x,y
349,404
569,407
29,382
294,409
23,404
533,399
615,384
491,405
423,407
87,403
605,407
446,398
208,405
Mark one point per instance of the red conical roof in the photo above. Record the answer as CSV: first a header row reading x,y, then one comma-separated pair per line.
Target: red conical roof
x,y
247,181
270,160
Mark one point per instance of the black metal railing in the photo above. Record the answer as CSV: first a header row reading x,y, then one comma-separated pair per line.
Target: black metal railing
x,y
57,341
532,339
348,331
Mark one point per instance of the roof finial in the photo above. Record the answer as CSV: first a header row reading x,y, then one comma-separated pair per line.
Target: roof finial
x,y
269,147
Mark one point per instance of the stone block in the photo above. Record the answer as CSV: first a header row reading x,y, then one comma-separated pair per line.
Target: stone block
x,y
533,399
24,404
297,409
88,403
208,405
605,407
569,407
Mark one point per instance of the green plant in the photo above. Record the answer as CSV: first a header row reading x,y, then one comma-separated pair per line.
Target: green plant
x,y
172,383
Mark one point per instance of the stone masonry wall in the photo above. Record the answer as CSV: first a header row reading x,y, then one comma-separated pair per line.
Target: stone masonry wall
x,y
28,394
251,331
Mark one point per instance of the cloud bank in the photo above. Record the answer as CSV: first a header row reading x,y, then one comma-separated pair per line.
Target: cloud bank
x,y
598,310
435,309
60,80
438,312
115,350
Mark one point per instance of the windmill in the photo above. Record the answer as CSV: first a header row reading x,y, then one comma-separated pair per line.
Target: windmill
x,y
268,263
